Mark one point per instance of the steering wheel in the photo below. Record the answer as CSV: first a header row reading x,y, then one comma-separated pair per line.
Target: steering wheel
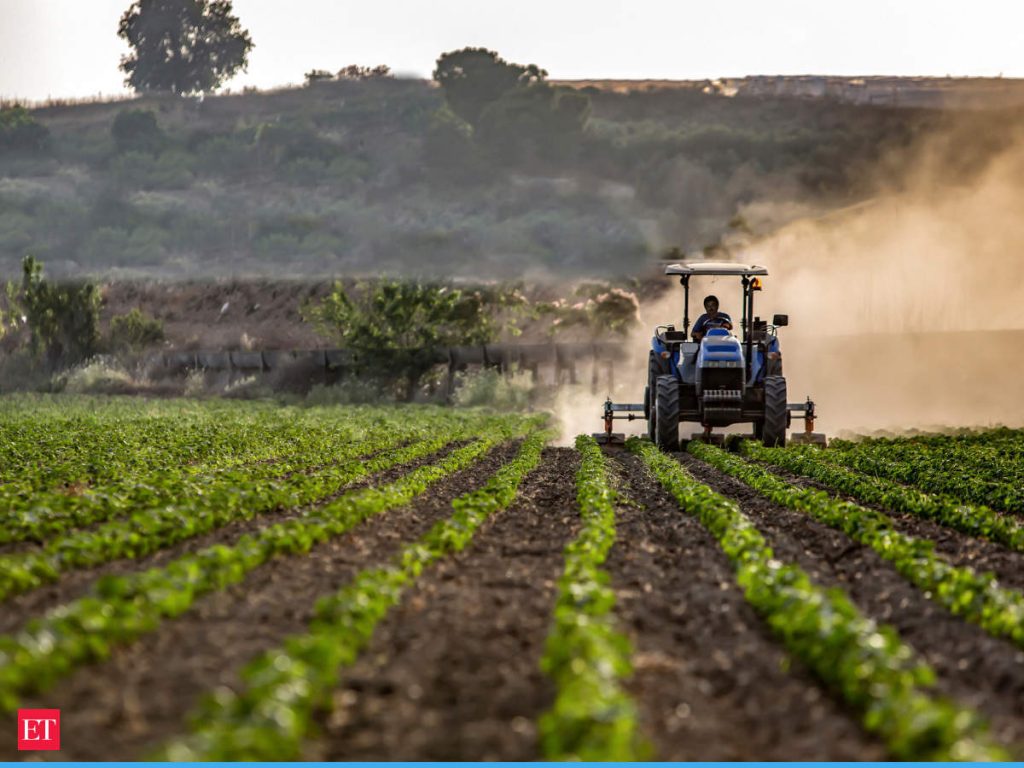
x,y
717,322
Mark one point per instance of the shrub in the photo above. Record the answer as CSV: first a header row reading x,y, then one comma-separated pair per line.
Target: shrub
x,y
21,132
134,330
136,130
63,319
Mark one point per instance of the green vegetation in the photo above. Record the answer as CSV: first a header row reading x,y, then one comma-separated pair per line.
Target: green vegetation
x,y
62,318
865,664
133,331
972,520
120,608
976,597
496,171
270,718
397,326
234,496
593,718
21,132
182,46
981,468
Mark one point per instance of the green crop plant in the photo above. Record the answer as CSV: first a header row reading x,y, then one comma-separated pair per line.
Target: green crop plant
x,y
861,662
283,689
972,520
592,718
121,608
976,597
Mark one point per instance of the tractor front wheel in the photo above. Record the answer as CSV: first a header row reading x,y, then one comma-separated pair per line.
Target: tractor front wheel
x,y
666,413
776,416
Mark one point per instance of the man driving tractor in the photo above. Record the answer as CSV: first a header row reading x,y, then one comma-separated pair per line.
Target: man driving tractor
x,y
711,318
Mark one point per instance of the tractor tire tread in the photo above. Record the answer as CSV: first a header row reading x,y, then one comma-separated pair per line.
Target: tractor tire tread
x,y
666,407
776,414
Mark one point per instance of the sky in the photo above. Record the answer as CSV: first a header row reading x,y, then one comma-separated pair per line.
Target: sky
x,y
69,48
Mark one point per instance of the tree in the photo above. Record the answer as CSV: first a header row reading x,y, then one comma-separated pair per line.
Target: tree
x,y
534,123
182,46
473,78
63,319
395,327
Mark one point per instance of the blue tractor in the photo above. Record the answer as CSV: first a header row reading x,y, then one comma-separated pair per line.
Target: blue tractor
x,y
720,379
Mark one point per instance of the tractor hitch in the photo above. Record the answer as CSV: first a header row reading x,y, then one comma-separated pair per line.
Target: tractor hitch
x,y
612,411
806,412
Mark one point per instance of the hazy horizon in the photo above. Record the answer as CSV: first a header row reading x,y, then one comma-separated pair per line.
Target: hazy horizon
x,y
68,49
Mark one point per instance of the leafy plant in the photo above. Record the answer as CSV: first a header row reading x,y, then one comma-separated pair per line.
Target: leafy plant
x,y
398,325
63,318
592,718
972,520
182,46
136,130
120,608
977,597
285,687
864,664
21,132
134,330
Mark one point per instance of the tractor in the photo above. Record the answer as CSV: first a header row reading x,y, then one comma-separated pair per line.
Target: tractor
x,y
720,379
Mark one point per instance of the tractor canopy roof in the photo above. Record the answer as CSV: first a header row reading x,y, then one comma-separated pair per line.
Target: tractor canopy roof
x,y
714,268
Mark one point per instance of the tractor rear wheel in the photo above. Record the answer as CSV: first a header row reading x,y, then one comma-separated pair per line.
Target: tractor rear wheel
x,y
776,416
666,413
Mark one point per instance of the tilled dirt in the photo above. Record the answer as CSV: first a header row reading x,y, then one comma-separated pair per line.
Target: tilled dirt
x,y
17,610
959,548
977,670
710,681
122,708
453,672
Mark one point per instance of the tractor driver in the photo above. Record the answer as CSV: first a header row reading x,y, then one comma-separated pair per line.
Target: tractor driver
x,y
711,318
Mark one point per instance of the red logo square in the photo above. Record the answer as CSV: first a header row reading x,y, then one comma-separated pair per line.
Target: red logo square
x,y
38,729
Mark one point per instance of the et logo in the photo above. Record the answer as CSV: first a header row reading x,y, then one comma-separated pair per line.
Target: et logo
x,y
38,729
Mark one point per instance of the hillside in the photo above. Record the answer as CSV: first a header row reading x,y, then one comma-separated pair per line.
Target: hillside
x,y
351,177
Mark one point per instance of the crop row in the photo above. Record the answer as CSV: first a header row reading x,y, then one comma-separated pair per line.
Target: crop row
x,y
283,448
283,690
865,664
593,718
979,473
44,514
46,443
972,520
149,530
297,447
976,597
121,608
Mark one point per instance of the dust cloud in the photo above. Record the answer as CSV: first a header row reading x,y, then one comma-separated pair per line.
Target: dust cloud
x,y
906,311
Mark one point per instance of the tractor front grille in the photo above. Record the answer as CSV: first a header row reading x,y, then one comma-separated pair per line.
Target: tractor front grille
x,y
718,379
723,394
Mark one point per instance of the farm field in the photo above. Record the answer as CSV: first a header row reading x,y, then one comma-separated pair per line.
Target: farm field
x,y
242,580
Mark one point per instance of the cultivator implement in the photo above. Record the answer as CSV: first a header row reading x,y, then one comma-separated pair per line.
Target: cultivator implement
x,y
613,411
